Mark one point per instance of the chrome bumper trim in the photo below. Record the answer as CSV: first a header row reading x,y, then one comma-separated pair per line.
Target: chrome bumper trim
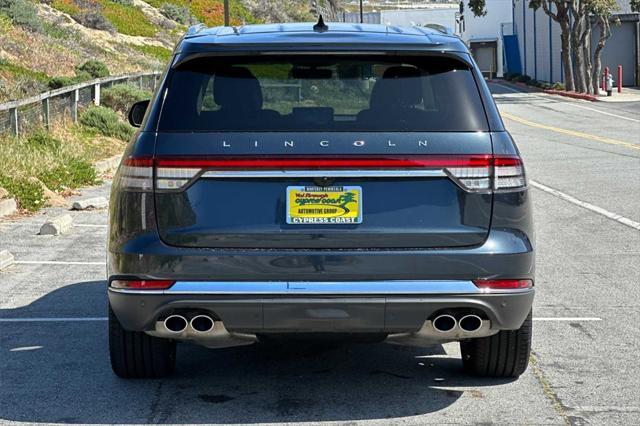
x,y
355,173
334,288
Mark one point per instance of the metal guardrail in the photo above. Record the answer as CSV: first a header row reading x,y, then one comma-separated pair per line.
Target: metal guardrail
x,y
57,105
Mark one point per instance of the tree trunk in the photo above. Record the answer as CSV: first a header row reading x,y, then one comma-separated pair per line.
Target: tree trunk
x,y
578,12
567,63
605,33
586,49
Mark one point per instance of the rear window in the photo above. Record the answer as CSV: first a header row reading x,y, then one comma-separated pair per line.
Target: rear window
x,y
322,93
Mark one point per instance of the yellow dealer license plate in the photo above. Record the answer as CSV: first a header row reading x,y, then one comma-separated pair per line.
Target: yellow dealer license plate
x,y
320,205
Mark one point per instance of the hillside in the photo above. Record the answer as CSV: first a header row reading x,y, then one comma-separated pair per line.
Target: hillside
x,y
52,38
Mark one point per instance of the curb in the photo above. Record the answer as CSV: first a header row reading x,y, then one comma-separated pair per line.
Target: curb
x,y
107,165
574,95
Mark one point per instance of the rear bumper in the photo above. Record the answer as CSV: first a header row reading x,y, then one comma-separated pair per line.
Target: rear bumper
x,y
385,307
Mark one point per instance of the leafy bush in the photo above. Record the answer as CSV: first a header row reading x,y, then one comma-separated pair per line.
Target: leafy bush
x,y
29,194
21,12
93,19
95,69
120,97
73,173
176,12
106,122
558,86
522,78
58,82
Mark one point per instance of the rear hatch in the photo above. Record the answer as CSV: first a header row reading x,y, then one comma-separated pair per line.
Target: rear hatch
x,y
323,152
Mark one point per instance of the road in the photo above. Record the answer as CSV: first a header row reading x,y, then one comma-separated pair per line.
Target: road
x,y
584,167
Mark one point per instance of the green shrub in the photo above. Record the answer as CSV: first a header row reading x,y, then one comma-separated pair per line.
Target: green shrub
x,y
522,78
29,195
73,173
106,122
95,69
58,82
21,12
93,19
177,13
42,140
558,86
120,97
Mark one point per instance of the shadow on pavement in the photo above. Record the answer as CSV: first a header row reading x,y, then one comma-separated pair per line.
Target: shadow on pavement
x,y
59,372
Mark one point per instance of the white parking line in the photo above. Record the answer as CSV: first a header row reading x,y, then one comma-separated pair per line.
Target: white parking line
x,y
84,319
61,319
570,103
606,213
54,262
577,319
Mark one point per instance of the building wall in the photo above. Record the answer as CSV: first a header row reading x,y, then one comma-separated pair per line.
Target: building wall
x,y
541,54
623,41
488,27
420,17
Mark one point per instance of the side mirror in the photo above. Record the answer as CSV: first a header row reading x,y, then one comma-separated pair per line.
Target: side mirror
x,y
136,113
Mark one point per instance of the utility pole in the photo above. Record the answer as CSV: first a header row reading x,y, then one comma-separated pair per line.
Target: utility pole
x,y
226,12
361,17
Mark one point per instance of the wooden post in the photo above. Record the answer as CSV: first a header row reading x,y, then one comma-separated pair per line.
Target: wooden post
x,y
13,112
226,13
96,94
45,112
75,97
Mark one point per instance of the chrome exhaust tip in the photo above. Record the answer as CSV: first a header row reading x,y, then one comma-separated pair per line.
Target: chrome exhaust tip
x,y
176,323
444,323
201,323
470,323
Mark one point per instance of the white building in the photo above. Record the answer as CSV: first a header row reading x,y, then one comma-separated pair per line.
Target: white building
x,y
482,34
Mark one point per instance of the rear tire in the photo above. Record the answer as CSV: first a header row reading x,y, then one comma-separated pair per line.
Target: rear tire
x,y
136,355
505,354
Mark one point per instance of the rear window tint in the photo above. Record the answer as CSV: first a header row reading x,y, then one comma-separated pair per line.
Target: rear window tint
x,y
314,93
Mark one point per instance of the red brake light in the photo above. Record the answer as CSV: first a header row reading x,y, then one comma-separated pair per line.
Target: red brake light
x,y
503,284
435,161
142,284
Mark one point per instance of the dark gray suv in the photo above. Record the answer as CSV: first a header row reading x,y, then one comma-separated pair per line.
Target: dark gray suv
x,y
349,181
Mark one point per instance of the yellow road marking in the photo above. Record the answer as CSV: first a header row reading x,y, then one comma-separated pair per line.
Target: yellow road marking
x,y
570,132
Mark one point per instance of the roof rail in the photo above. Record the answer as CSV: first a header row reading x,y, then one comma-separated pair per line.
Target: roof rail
x,y
440,28
195,29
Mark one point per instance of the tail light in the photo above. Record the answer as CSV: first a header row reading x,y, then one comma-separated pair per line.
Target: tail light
x,y
515,284
481,172
136,174
142,284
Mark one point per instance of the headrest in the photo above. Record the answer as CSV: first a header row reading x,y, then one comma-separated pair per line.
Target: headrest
x,y
400,86
237,88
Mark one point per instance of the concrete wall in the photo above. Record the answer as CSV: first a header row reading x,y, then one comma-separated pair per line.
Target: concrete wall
x,y
420,17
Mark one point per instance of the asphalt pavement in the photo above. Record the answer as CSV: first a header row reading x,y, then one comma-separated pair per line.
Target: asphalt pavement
x,y
583,160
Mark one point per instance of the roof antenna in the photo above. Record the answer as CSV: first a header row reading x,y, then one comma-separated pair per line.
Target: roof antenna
x,y
320,26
